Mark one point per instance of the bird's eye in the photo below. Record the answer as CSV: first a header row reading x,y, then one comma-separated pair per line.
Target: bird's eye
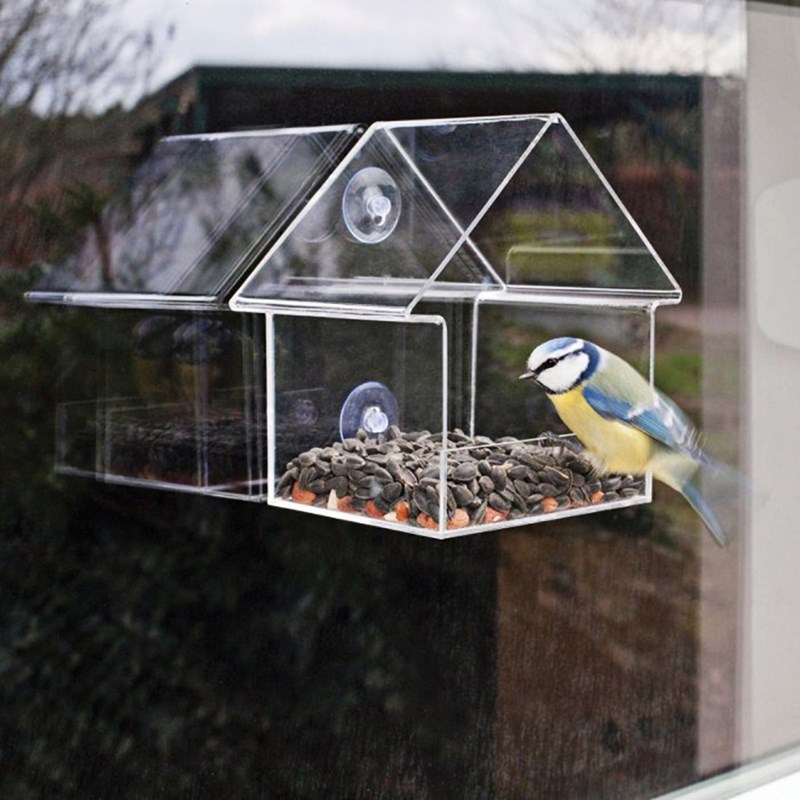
x,y
551,362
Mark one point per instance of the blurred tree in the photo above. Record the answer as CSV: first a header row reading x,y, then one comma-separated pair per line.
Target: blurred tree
x,y
67,69
639,36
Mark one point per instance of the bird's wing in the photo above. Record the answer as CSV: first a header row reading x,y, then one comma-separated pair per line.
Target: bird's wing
x,y
659,418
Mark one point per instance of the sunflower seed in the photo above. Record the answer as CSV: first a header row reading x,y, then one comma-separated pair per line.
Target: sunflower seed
x,y
382,475
486,484
286,481
520,471
451,502
393,466
419,501
393,432
307,475
499,478
498,502
406,476
338,485
307,459
576,497
462,494
529,460
465,472
519,501
522,488
391,491
559,478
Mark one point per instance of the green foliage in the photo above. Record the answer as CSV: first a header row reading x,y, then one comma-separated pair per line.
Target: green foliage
x,y
61,225
31,342
679,372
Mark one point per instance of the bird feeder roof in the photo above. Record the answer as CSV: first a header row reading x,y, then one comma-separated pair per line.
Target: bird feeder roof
x,y
437,209
339,220
198,212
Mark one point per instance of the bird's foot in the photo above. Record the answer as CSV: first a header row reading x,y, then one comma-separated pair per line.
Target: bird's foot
x,y
561,443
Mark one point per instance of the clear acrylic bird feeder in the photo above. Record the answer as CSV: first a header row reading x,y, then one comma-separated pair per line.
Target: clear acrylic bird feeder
x,y
401,283
401,305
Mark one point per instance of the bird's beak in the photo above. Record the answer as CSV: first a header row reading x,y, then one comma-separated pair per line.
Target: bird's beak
x,y
526,375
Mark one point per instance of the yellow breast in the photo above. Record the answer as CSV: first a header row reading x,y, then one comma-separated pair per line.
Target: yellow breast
x,y
615,446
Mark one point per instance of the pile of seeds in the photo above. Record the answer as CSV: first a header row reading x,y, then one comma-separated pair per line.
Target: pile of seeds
x,y
396,476
174,450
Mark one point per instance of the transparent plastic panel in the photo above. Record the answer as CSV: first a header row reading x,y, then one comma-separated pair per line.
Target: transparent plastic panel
x,y
428,209
509,459
375,235
79,445
178,403
466,161
200,210
359,431
558,225
547,470
506,335
357,421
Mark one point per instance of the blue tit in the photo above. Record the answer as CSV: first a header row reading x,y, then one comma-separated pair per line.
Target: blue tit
x,y
625,424
202,349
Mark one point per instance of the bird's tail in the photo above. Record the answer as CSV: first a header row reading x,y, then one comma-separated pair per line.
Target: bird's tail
x,y
715,491
692,493
725,492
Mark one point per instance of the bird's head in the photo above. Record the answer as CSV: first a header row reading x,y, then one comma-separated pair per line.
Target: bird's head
x,y
559,365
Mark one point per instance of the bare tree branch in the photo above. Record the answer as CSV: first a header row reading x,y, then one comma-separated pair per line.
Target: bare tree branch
x,y
67,69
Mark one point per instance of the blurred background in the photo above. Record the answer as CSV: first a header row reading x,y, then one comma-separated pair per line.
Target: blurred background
x,y
154,644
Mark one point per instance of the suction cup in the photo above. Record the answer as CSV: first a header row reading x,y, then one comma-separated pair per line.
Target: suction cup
x,y
371,205
370,406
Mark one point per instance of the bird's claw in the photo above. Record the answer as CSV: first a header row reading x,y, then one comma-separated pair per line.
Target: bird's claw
x,y
550,439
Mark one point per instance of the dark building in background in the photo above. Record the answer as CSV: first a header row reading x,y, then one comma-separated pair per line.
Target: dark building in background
x,y
225,98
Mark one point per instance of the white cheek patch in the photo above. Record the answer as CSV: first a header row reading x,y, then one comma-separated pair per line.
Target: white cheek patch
x,y
564,375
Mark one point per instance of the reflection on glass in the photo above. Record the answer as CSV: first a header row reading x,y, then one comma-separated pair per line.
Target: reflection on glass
x,y
557,224
198,210
180,405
